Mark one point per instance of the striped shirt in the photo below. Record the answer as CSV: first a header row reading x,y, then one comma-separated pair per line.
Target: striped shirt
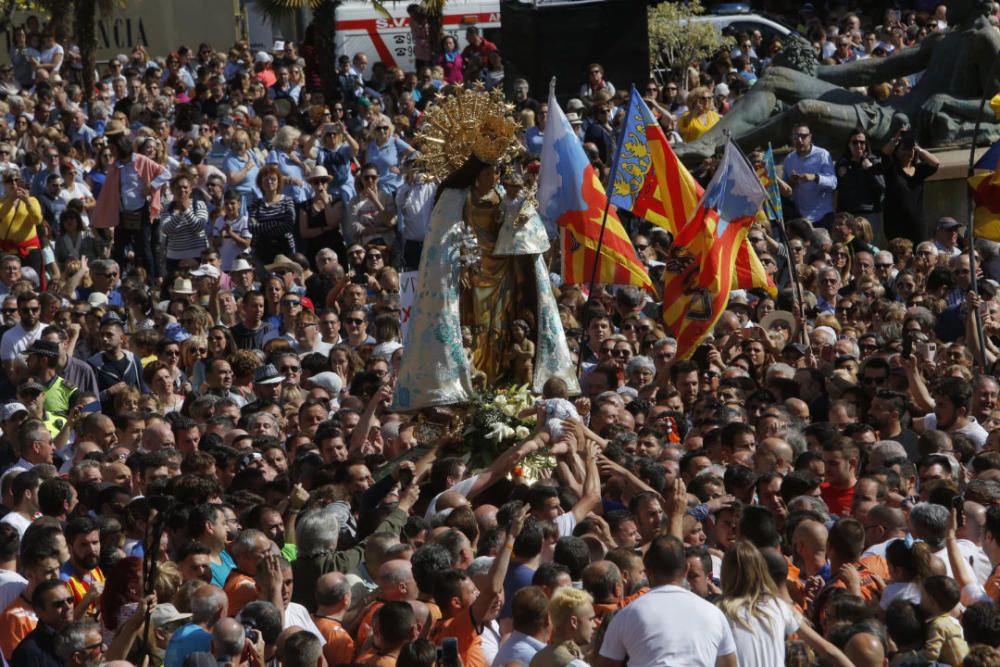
x,y
185,231
273,227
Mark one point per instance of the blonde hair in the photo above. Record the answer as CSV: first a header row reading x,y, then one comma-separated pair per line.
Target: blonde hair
x,y
746,585
567,602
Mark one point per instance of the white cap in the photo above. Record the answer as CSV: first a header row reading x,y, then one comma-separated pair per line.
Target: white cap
x,y
97,299
262,57
206,270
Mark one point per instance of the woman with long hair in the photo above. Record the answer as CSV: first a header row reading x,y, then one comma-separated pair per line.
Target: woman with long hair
x,y
76,241
123,590
345,362
450,60
193,350
98,172
759,615
20,217
909,564
701,114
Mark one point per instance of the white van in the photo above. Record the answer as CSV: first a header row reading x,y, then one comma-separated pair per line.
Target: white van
x,y
360,28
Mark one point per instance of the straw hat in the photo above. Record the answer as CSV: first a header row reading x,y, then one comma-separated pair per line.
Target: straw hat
x,y
114,127
182,286
319,173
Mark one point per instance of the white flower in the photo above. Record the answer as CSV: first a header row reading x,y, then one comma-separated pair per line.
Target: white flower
x,y
500,432
500,400
509,410
521,432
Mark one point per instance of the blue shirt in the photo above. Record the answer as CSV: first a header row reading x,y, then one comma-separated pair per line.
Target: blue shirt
x,y
385,157
519,647
518,576
131,188
188,639
533,140
815,198
298,193
220,571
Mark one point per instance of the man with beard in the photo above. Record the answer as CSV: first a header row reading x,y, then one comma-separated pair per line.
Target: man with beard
x,y
886,415
633,572
81,573
53,604
28,329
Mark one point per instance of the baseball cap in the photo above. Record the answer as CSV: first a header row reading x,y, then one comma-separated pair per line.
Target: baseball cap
x,y
10,409
206,270
167,613
948,222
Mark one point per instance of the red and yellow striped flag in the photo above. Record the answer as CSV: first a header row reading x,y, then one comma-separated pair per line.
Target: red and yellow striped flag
x,y
653,184
702,265
571,195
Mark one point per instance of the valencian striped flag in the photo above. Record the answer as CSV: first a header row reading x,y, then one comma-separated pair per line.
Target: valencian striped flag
x,y
653,184
768,175
570,195
700,268
649,180
985,188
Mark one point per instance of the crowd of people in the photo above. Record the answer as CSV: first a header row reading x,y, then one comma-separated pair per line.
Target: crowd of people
x,y
200,459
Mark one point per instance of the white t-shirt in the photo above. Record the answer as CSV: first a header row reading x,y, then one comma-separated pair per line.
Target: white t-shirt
x,y
17,340
462,488
906,590
669,626
296,614
764,642
972,430
230,250
11,585
15,519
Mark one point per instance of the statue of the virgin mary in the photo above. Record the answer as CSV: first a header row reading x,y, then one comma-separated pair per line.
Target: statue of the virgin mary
x,y
482,264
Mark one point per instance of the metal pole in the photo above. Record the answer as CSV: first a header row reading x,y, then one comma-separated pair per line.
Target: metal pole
x,y
977,316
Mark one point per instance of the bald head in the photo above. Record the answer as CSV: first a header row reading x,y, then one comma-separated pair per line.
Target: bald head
x,y
227,638
423,615
798,408
865,650
395,581
486,517
810,534
782,452
157,436
603,580
333,593
451,499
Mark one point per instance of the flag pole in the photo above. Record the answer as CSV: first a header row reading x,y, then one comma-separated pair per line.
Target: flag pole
x,y
604,219
793,272
974,285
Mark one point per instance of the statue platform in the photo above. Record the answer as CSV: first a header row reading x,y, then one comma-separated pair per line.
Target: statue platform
x,y
947,192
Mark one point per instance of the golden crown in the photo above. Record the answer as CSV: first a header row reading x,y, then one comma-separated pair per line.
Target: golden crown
x,y
466,122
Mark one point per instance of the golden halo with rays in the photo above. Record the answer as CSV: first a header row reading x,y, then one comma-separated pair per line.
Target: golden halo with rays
x,y
466,121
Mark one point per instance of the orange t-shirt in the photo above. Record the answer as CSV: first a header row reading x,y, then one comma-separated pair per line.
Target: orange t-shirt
x,y
339,648
470,644
626,601
373,659
365,625
241,589
992,585
16,622
869,589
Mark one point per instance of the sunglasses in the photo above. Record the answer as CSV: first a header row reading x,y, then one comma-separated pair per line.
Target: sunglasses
x,y
291,302
290,369
354,320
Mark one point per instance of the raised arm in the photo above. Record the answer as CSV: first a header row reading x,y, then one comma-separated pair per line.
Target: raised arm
x,y
874,70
